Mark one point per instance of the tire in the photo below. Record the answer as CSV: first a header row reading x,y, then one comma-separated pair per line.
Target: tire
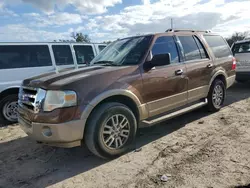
x,y
95,128
8,107
214,106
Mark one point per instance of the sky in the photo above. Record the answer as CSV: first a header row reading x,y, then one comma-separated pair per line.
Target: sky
x,y
102,20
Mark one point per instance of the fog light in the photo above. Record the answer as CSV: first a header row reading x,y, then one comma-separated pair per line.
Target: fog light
x,y
47,131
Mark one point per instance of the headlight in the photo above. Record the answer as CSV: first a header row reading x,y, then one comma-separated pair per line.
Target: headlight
x,y
59,99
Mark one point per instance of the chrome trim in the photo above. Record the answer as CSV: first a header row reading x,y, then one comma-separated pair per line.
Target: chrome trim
x,y
25,98
28,103
30,88
41,94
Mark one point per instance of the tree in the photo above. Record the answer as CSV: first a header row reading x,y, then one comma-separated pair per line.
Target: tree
x,y
237,36
79,37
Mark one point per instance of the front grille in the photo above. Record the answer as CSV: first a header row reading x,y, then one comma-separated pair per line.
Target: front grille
x,y
31,98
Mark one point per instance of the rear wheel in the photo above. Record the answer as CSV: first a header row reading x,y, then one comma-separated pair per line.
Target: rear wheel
x,y
216,95
111,130
8,109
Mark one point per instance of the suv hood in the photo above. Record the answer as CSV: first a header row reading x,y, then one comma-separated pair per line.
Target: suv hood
x,y
65,77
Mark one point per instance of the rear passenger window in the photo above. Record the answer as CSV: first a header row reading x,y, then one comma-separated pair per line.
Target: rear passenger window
x,y
84,54
101,47
190,48
63,55
201,48
21,56
218,46
166,44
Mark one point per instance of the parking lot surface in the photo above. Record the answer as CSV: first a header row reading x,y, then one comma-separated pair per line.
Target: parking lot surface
x,y
198,149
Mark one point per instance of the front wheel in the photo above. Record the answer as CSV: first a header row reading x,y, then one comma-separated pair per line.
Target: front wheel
x,y
216,96
111,130
8,109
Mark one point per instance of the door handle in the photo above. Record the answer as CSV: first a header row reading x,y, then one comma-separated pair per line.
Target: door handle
x,y
210,65
179,72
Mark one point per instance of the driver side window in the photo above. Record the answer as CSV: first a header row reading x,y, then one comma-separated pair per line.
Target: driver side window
x,y
166,44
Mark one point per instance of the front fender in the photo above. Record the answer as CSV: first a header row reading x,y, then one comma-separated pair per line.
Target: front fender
x,y
142,108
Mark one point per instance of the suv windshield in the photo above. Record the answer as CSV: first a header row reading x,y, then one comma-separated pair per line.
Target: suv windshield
x,y
241,48
127,51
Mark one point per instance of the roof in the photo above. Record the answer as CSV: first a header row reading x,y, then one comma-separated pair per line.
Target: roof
x,y
174,31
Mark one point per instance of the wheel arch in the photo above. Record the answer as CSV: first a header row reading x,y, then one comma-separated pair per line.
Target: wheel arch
x,y
9,91
125,97
219,75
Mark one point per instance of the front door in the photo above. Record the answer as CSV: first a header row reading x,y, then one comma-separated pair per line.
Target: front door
x,y
165,87
199,67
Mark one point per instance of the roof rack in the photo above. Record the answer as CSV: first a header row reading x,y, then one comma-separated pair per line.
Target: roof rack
x,y
187,30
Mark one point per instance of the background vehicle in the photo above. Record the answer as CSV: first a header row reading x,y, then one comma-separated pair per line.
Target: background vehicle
x,y
241,51
19,61
134,82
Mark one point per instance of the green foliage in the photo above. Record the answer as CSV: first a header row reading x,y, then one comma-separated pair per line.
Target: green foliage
x,y
237,36
79,37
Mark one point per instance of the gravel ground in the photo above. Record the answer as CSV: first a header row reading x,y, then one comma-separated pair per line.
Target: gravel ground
x,y
197,149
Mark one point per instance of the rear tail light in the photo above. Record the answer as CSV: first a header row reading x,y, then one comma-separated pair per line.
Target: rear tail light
x,y
234,64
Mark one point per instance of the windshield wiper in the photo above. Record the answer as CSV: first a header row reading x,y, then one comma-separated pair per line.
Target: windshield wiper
x,y
106,63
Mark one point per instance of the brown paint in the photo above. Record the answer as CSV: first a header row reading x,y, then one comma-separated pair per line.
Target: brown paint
x,y
148,86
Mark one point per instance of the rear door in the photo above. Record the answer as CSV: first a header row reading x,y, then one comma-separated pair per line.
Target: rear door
x,y
199,66
241,52
222,54
21,61
84,54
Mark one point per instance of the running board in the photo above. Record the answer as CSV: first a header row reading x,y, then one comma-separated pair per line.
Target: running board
x,y
174,114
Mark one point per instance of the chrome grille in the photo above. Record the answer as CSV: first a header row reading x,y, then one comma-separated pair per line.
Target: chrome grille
x,y
31,98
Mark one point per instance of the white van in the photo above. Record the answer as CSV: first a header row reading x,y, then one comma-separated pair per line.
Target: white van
x,y
241,51
19,61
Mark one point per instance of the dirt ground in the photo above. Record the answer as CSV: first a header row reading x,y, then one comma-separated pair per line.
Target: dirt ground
x,y
197,149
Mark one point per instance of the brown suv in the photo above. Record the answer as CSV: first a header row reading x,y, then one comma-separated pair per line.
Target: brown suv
x,y
134,82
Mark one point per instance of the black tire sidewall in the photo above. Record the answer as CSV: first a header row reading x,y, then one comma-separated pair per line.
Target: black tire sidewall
x,y
3,102
100,117
211,105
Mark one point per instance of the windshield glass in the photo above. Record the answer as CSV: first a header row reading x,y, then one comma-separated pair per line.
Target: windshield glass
x,y
127,51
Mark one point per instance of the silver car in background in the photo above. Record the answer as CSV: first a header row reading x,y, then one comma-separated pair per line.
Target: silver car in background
x,y
19,61
241,51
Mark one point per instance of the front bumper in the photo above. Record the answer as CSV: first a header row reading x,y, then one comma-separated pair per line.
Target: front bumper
x,y
67,134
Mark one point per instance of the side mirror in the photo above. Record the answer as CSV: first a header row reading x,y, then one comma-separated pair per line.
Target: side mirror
x,y
158,60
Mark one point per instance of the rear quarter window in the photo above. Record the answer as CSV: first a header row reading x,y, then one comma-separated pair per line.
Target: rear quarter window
x,y
241,48
218,46
23,56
